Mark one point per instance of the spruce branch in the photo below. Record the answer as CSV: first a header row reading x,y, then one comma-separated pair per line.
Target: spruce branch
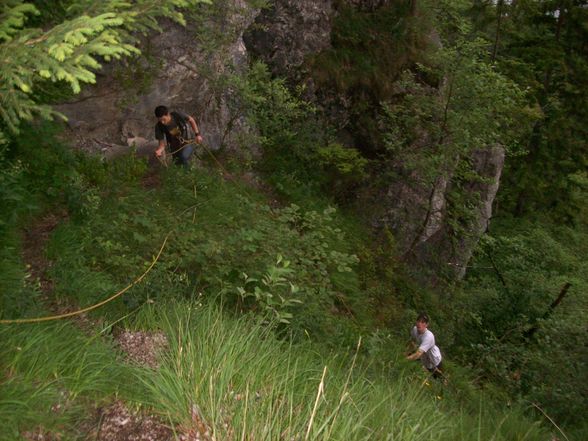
x,y
71,51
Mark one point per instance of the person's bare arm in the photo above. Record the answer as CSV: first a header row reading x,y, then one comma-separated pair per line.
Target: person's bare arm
x,y
415,356
410,347
192,122
160,149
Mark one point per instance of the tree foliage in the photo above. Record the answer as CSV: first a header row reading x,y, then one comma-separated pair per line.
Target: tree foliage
x,y
475,107
70,51
505,326
542,46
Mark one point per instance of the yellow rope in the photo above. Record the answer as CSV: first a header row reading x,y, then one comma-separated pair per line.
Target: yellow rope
x,y
217,161
185,143
121,292
97,305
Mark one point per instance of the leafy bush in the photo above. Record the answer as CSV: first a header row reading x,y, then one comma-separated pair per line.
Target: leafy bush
x,y
272,291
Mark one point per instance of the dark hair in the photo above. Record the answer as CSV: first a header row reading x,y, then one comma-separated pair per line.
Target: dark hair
x,y
160,111
422,317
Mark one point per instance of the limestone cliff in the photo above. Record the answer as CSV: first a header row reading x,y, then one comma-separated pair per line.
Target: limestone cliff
x,y
287,31
284,36
180,71
184,74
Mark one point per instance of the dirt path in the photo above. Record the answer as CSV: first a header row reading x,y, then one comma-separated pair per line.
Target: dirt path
x,y
152,177
34,246
114,422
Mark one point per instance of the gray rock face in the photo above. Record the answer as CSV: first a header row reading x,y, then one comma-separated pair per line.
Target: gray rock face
x,y
437,245
489,164
283,37
369,5
112,115
285,33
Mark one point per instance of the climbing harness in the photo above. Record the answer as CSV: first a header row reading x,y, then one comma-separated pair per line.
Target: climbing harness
x,y
184,143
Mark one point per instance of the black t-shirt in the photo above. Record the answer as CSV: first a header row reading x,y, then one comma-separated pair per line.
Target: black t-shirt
x,y
171,131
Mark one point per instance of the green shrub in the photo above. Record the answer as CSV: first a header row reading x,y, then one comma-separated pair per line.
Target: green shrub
x,y
506,327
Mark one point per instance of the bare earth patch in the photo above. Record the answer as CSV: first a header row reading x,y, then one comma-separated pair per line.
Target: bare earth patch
x,y
81,320
40,434
152,178
117,423
142,347
34,242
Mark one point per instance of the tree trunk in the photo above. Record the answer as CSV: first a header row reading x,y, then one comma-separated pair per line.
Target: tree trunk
x,y
413,8
564,290
498,25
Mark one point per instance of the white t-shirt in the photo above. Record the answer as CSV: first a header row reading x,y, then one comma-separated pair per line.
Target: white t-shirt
x,y
426,341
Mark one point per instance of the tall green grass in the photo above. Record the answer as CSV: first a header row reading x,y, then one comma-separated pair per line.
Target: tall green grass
x,y
233,376
243,383
52,377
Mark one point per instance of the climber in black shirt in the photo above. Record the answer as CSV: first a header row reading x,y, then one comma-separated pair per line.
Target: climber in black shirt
x,y
179,130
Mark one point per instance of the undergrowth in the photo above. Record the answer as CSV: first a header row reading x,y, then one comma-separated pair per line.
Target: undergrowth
x,y
292,263
239,289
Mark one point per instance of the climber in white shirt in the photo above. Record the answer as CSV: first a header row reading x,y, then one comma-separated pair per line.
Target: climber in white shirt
x,y
427,350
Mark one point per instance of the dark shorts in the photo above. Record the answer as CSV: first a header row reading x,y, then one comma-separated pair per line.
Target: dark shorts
x,y
437,371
